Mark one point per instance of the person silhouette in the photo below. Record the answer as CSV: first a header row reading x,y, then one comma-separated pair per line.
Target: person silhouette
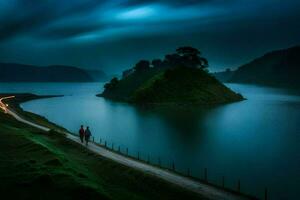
x,y
81,133
87,135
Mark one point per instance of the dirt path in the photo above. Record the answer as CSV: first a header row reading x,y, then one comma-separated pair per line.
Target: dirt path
x,y
207,191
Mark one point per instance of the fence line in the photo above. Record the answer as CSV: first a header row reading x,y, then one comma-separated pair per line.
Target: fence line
x,y
173,168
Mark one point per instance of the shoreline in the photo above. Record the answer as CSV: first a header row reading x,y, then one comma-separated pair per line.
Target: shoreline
x,y
173,177
168,104
20,98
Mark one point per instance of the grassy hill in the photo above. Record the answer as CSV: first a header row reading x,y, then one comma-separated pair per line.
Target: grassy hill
x,y
39,165
13,72
278,68
179,78
184,85
128,85
178,85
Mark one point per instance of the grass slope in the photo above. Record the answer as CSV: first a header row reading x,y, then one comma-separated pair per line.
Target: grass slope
x,y
127,86
178,85
39,165
278,68
184,85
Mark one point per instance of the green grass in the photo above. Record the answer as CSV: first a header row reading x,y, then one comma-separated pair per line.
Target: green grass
x,y
39,165
186,86
127,86
179,85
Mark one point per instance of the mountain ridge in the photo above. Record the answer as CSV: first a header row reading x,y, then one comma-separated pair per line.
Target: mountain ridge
x,y
15,72
278,68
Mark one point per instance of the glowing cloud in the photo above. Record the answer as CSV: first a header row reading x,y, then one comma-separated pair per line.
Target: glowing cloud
x,y
136,13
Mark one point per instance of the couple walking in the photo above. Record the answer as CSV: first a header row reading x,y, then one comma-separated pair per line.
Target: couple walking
x,y
85,134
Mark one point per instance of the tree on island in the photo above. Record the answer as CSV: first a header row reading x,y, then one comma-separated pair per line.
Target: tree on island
x,y
191,57
184,57
157,63
183,51
173,60
142,65
127,72
112,84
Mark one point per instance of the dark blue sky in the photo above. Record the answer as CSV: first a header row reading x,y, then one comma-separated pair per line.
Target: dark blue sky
x,y
115,34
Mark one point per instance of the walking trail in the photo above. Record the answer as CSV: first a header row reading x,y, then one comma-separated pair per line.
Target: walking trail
x,y
203,189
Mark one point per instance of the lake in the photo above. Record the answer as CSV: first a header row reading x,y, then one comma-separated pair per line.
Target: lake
x,y
256,141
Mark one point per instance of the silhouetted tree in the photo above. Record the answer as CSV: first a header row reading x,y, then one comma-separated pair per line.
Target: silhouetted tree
x,y
157,63
127,72
199,62
107,86
142,65
192,57
112,84
173,60
114,81
188,51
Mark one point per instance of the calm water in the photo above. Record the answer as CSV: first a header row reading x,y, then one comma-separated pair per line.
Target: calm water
x,y
256,141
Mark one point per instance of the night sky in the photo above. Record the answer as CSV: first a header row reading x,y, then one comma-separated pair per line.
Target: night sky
x,y
114,34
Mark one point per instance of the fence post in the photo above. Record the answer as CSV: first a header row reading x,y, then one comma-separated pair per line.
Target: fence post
x,y
105,143
266,194
100,141
239,186
138,156
205,174
223,182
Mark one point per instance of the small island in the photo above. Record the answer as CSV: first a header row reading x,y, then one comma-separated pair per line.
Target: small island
x,y
180,78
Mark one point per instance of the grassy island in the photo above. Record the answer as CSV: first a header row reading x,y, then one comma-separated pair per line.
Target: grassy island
x,y
181,78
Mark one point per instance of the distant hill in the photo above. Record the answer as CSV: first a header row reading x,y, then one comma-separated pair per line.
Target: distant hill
x,y
223,76
97,75
12,72
278,68
177,79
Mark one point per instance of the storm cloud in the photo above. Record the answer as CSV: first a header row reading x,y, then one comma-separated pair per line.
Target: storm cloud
x,y
114,34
